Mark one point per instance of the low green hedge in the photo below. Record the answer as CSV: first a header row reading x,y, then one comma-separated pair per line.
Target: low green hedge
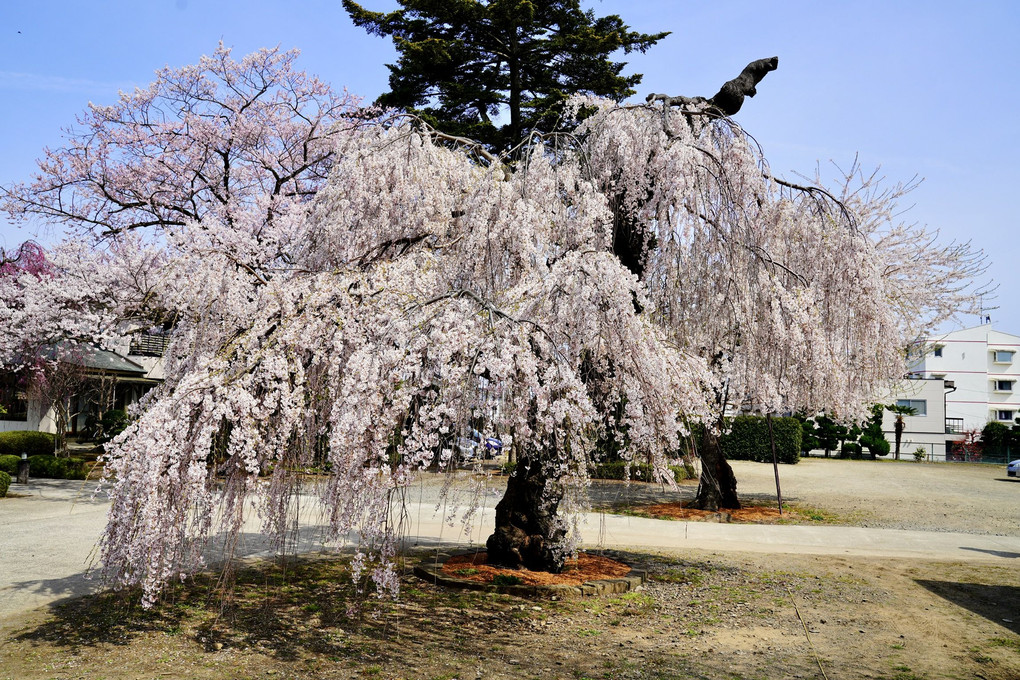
x,y
641,472
56,468
748,439
5,483
18,442
9,464
850,450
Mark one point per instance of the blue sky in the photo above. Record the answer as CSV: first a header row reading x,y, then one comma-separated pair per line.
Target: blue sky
x,y
921,88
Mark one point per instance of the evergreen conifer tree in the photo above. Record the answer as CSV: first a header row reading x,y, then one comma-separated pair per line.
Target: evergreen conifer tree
x,y
465,64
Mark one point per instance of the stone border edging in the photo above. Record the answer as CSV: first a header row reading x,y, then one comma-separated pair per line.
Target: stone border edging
x,y
433,572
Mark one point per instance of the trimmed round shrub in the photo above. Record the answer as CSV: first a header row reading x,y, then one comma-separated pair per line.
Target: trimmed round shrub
x,y
26,441
5,483
850,450
9,464
56,468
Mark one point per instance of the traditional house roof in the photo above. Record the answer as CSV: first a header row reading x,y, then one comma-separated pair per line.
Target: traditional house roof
x,y
92,357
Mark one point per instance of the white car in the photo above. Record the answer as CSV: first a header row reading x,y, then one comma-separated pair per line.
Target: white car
x,y
1013,468
468,448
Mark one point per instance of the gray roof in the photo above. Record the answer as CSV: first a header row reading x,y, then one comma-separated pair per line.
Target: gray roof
x,y
93,357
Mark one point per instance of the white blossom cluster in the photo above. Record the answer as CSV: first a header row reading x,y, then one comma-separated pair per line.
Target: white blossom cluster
x,y
355,332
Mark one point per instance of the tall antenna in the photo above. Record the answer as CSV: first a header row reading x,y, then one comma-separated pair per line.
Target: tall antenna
x,y
984,316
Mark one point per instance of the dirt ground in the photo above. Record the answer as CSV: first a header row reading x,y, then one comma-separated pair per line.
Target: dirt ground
x,y
957,497
962,497
702,615
733,616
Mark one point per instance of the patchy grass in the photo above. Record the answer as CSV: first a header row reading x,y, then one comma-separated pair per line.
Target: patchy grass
x,y
703,615
1012,643
690,575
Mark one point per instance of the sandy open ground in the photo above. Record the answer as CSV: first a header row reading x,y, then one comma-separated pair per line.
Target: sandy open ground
x,y
959,497
924,583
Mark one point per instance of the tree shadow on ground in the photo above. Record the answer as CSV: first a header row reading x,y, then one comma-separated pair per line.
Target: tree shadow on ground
x,y
71,586
111,617
615,494
269,604
286,609
999,604
307,609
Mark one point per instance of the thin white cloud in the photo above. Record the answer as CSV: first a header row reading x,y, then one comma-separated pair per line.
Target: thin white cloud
x,y
13,80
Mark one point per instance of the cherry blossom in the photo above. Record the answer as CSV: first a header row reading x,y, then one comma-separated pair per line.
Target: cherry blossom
x,y
637,274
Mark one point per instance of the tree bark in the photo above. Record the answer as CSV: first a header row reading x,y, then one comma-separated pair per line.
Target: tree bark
x,y
515,101
61,419
730,97
898,429
718,486
527,533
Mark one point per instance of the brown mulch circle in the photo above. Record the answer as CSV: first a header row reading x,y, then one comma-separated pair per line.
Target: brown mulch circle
x,y
585,568
754,513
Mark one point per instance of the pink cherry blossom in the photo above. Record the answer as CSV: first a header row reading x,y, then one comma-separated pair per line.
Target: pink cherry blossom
x,y
355,314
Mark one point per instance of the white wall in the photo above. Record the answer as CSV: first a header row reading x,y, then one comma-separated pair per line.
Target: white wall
x,y
39,420
968,360
926,430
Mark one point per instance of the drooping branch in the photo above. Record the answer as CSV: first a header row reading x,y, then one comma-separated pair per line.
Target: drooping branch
x,y
820,194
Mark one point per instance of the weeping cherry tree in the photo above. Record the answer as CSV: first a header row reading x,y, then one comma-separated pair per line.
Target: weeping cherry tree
x,y
634,276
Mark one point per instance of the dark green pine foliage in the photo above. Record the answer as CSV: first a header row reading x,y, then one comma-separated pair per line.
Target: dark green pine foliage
x,y
831,434
872,437
465,65
808,437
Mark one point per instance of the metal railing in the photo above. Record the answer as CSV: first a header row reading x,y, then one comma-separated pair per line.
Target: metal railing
x,y
149,345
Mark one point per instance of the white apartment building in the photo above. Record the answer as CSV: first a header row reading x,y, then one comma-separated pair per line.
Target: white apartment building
x,y
983,366
928,427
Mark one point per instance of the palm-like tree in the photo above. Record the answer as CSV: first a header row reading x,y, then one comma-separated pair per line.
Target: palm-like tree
x,y
900,410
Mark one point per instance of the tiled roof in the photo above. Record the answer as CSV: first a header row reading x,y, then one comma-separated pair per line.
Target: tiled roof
x,y
93,357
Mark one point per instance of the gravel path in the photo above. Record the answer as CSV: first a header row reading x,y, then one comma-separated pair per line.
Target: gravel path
x,y
957,497
51,527
948,497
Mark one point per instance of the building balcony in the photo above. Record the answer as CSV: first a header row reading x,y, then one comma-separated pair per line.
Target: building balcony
x,y
144,344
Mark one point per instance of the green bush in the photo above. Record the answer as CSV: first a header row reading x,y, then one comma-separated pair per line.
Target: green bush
x,y
26,441
876,445
850,450
5,483
56,468
641,472
113,423
748,439
9,464
507,580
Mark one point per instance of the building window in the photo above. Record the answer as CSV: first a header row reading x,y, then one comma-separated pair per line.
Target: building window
x,y
13,405
1003,385
920,406
1003,357
1004,415
938,350
150,344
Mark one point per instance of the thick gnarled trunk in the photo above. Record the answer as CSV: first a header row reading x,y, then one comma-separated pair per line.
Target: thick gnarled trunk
x,y
528,534
718,486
